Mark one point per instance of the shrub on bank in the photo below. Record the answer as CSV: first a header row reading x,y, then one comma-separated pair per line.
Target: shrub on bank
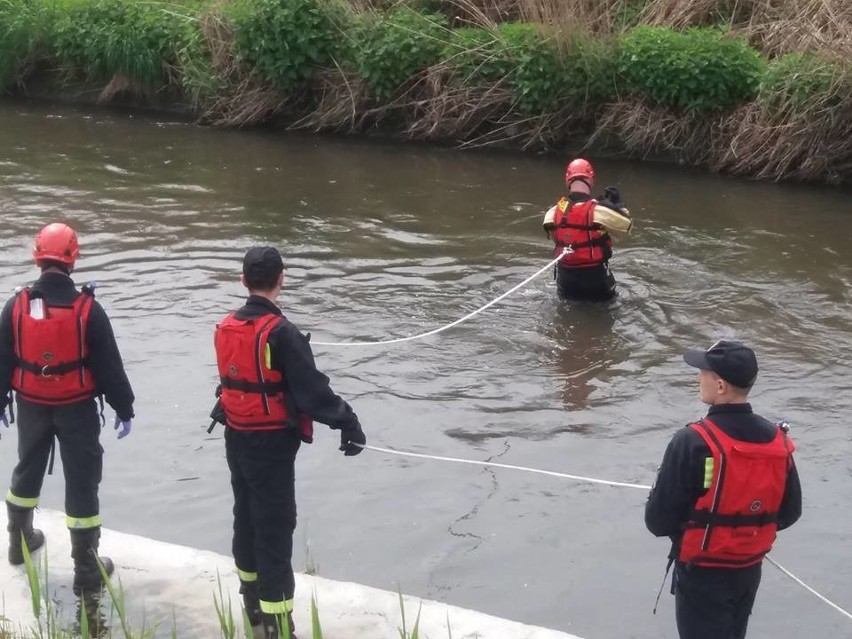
x,y
701,69
286,40
24,28
480,57
544,75
102,38
391,49
796,82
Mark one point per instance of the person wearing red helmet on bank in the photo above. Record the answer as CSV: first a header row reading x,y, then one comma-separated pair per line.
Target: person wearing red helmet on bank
x,y
58,352
584,223
726,486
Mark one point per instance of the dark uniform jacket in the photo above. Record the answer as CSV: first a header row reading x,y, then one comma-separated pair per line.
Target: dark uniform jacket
x,y
680,480
104,358
291,352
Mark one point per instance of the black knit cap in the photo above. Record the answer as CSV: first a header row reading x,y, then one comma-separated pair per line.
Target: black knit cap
x,y
262,263
733,361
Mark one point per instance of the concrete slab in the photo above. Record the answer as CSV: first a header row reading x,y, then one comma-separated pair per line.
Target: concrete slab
x,y
169,586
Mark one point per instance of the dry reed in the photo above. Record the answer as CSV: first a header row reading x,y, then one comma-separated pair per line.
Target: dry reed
x,y
243,98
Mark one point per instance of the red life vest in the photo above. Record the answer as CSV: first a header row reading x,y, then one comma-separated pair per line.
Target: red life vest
x,y
51,355
575,227
733,525
253,393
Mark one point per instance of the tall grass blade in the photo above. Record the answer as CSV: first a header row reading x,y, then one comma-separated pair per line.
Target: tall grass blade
x,y
403,633
32,579
117,599
227,627
84,619
316,629
415,632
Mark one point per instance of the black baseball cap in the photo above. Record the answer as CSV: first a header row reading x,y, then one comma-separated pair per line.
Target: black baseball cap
x,y
262,263
733,361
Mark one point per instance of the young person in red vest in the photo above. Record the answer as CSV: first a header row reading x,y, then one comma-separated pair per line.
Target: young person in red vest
x,y
58,352
584,223
727,484
271,391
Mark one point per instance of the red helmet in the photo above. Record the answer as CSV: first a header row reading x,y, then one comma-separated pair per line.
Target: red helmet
x,y
57,242
579,169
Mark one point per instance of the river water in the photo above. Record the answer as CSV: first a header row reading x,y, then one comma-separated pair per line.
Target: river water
x,y
386,240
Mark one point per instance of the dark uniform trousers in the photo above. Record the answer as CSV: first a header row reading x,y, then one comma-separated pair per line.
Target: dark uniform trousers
x,y
77,427
262,465
714,603
595,283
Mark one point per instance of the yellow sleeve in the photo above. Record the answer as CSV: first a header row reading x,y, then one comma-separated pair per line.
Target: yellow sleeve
x,y
549,216
612,220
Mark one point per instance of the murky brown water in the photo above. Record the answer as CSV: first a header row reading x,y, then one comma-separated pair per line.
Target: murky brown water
x,y
385,240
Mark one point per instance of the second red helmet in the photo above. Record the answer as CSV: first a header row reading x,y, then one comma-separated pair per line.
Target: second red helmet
x,y
57,242
579,169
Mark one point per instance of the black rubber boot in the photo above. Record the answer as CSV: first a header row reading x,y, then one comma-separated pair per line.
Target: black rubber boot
x,y
21,528
251,603
271,629
84,552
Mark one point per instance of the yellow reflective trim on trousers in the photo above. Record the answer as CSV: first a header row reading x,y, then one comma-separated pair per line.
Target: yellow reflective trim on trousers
x,y
276,607
246,576
708,472
23,502
81,523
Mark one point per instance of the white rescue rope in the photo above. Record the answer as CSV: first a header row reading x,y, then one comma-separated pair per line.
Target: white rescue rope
x,y
399,340
590,480
807,587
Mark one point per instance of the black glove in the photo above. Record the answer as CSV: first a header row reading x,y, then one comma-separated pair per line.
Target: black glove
x,y
612,198
217,415
350,438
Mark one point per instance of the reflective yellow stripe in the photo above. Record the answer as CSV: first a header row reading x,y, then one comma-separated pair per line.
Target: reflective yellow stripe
x,y
78,523
267,355
23,502
276,607
708,472
246,576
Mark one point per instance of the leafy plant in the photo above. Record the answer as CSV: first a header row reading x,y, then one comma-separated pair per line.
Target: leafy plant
x,y
702,69
393,48
285,40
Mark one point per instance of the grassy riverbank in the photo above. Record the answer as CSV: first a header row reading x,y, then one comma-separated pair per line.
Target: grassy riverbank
x,y
755,87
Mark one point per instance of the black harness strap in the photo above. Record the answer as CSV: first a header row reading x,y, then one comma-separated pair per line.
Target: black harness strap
x,y
702,518
267,388
51,369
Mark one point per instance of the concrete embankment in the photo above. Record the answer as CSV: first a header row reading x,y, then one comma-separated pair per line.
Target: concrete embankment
x,y
168,586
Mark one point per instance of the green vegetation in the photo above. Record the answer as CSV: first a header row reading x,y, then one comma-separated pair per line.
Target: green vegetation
x,y
701,69
392,49
796,82
101,38
552,72
285,41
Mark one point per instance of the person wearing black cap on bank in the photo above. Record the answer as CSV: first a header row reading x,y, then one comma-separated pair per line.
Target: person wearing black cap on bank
x,y
726,485
270,393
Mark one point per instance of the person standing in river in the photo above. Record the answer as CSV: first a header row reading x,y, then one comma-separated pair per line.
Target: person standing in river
x,y
270,393
584,223
58,352
726,485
